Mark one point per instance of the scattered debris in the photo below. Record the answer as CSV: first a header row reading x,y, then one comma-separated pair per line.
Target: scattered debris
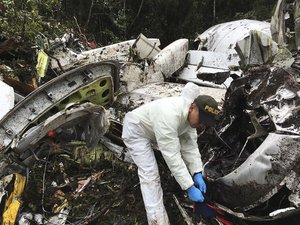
x,y
64,138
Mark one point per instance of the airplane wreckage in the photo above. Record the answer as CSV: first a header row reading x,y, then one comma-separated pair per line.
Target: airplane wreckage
x,y
251,67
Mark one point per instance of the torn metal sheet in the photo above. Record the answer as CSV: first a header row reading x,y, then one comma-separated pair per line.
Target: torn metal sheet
x,y
278,24
86,115
116,147
135,75
292,182
26,218
6,98
119,51
263,171
163,65
18,97
71,88
42,63
13,203
172,57
191,73
285,24
209,59
223,37
297,23
3,184
214,75
262,130
145,48
94,83
256,49
208,68
278,92
59,219
272,216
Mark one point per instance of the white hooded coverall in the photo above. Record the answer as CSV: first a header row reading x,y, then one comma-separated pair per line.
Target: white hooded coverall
x,y
165,122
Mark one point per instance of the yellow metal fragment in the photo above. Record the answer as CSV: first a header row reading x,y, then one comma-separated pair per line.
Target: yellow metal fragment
x,y
14,202
42,63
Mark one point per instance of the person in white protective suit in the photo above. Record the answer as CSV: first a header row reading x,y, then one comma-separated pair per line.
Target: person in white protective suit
x,y
171,123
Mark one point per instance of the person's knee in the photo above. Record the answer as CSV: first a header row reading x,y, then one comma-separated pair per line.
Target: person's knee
x,y
151,176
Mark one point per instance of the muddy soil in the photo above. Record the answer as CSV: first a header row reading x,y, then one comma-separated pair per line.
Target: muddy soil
x,y
97,188
110,191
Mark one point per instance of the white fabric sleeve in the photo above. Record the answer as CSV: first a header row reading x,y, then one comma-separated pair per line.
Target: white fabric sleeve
x,y
190,152
165,129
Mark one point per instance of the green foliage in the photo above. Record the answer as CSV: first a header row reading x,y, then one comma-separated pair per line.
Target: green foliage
x,y
260,10
7,18
247,15
110,21
24,19
228,10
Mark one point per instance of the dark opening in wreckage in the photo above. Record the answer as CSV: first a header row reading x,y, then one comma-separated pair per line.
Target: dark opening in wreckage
x,y
258,155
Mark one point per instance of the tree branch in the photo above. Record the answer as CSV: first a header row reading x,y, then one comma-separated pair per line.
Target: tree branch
x,y
89,15
137,15
80,30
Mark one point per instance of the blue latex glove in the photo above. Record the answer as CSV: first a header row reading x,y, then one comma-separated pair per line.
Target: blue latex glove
x,y
199,182
195,194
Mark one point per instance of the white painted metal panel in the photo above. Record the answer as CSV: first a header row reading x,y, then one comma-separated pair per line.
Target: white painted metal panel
x,y
209,59
145,48
6,98
172,57
189,73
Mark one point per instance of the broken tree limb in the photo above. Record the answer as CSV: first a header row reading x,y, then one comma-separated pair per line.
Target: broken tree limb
x,y
127,183
184,214
89,15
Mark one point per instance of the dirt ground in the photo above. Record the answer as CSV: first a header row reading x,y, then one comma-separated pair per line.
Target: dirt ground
x,y
110,191
97,188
